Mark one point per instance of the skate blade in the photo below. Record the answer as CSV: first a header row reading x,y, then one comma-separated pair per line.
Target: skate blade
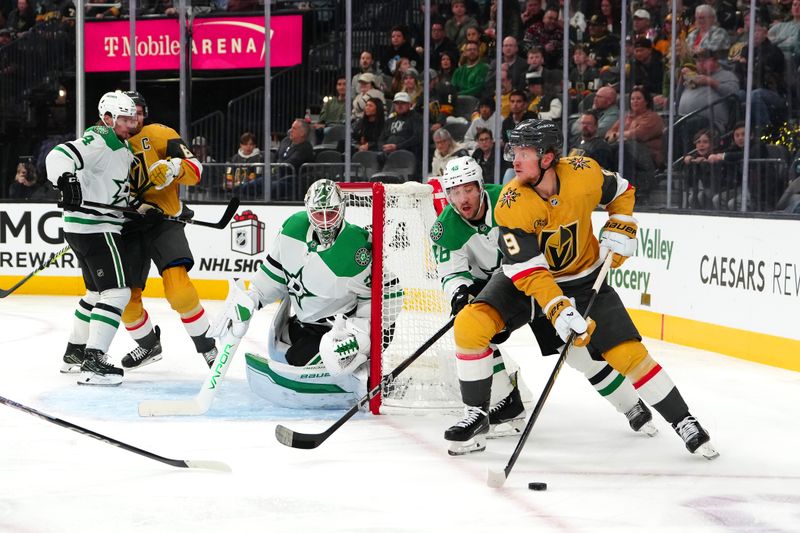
x,y
648,429
707,451
473,445
90,378
143,363
70,368
505,429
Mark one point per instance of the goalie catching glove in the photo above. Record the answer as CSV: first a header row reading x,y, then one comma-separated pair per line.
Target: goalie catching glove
x,y
164,171
236,315
566,319
619,236
345,347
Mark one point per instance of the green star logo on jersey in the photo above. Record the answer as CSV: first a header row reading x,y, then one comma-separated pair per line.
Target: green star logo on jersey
x,y
509,197
296,287
122,192
437,231
363,257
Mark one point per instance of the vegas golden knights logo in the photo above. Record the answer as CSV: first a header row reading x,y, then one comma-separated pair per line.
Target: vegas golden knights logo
x,y
560,247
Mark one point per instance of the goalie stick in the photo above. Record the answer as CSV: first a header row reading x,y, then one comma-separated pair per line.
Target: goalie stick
x,y
222,223
496,478
20,283
178,463
308,441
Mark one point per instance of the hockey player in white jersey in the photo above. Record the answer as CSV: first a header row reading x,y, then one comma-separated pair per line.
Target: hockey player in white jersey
x,y
320,267
467,253
95,168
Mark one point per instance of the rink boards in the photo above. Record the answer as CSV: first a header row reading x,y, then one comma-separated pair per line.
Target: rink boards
x,y
730,285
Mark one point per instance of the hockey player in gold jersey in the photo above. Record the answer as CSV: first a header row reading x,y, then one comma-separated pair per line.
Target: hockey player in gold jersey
x,y
163,163
550,253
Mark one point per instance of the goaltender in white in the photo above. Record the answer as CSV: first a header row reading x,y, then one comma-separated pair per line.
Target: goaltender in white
x,y
319,266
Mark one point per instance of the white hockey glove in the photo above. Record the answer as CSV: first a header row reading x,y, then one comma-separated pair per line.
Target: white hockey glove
x,y
163,171
566,319
239,308
619,237
344,348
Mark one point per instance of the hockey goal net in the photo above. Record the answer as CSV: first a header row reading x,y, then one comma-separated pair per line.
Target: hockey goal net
x,y
400,218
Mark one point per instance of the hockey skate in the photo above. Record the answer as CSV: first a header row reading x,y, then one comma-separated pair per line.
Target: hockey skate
x,y
96,370
695,437
210,356
507,417
469,434
641,419
73,357
141,356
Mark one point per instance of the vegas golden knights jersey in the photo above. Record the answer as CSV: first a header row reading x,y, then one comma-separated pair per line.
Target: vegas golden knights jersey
x,y
551,238
155,142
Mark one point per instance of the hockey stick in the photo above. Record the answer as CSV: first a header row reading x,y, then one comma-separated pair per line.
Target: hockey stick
x,y
496,478
308,441
222,223
201,403
20,283
179,463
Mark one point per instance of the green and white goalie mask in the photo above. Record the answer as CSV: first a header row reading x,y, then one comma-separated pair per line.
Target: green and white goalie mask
x,y
325,204
460,171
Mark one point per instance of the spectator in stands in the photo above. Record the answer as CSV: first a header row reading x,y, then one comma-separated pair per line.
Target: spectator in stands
x,y
475,35
456,27
551,77
398,47
403,130
442,99
484,155
506,88
533,13
366,64
735,152
446,149
201,151
647,66
549,36
707,35
642,29
518,102
332,108
591,144
700,88
5,38
790,199
22,18
583,79
27,186
395,83
484,120
367,88
605,107
725,11
164,7
512,62
368,129
603,47
439,43
243,5
246,164
447,67
643,139
611,16
512,23
413,86
542,104
702,179
470,77
731,160
768,98
786,35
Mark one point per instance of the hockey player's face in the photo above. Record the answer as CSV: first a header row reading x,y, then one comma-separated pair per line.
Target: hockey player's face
x,y
526,163
124,127
466,199
139,120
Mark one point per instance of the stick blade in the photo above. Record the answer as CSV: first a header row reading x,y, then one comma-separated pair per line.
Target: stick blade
x,y
495,478
217,466
172,408
292,439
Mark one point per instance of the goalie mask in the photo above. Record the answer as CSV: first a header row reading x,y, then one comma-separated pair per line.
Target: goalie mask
x,y
116,104
325,205
460,171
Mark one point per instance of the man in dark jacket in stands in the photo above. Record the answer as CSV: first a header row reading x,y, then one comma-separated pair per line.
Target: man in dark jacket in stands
x,y
403,130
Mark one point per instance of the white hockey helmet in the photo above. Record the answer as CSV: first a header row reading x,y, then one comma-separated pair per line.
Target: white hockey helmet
x,y
325,204
462,170
116,104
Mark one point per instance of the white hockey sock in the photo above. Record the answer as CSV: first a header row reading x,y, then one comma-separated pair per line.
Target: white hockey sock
x,y
475,372
501,380
83,314
105,319
609,383
141,328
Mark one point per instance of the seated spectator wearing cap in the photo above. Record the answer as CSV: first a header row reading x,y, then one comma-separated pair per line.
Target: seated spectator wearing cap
x,y
446,149
403,130
484,120
541,103
647,66
603,46
707,35
470,77
412,86
366,63
367,88
643,28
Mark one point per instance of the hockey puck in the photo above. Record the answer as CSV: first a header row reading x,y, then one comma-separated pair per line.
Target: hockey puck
x,y
534,485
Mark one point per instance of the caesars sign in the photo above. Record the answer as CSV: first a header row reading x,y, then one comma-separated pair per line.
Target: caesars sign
x,y
217,44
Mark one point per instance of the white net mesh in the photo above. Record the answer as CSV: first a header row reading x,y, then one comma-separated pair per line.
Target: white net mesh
x,y
430,382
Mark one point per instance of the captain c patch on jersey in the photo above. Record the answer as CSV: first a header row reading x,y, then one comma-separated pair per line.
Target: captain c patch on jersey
x,y
560,246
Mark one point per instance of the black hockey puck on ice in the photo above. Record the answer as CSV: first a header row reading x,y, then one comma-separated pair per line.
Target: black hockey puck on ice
x,y
534,485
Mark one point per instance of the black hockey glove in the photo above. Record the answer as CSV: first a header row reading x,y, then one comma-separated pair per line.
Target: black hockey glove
x,y
460,300
70,187
151,215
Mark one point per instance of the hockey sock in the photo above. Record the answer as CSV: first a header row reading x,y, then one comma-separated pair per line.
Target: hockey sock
x,y
475,376
656,388
137,321
105,319
609,383
182,296
83,314
501,380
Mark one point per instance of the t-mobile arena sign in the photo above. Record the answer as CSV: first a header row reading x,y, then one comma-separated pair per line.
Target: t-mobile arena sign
x,y
217,44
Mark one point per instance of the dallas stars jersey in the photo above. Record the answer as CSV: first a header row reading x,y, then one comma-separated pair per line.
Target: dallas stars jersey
x,y
551,238
321,282
101,163
465,252
156,142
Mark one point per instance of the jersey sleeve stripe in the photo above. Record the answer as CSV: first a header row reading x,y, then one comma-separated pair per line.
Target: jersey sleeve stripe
x,y
77,154
614,186
66,153
517,271
454,275
274,263
274,277
194,167
525,273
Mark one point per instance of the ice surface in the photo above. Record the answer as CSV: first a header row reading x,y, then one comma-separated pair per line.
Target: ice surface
x,y
389,473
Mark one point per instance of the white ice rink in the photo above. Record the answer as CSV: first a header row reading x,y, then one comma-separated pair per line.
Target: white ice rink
x,y
388,473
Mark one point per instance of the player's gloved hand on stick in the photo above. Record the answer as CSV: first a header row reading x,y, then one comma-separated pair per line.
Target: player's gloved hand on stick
x,y
151,214
566,319
619,237
237,313
460,299
70,187
345,347
164,171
